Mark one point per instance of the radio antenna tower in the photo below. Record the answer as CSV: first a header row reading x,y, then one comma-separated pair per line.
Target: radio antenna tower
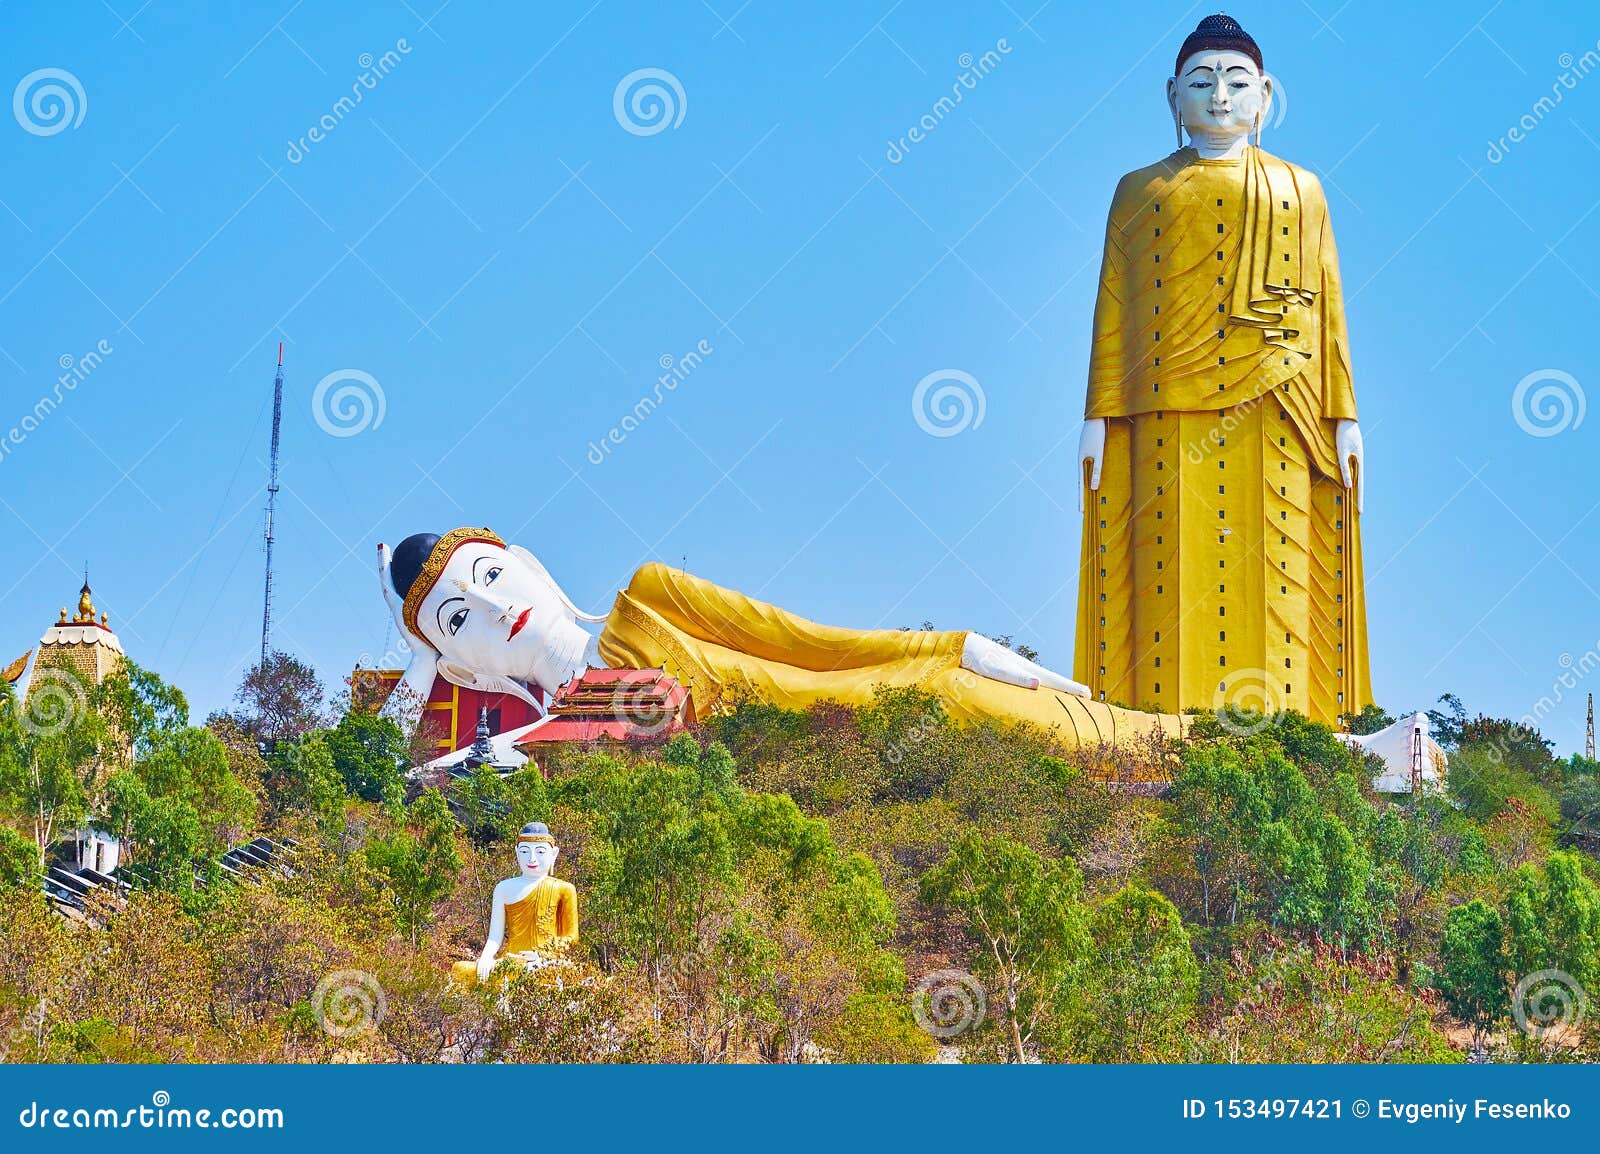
x,y
272,504
1588,745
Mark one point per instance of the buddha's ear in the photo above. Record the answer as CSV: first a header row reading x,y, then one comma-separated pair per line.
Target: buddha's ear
x,y
485,682
533,562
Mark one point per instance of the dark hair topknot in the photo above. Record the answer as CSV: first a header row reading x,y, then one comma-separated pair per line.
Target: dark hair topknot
x,y
1220,33
409,558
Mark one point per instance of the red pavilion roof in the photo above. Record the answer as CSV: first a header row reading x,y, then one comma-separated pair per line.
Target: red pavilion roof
x,y
613,705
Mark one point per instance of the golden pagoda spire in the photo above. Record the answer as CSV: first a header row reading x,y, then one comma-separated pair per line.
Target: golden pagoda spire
x,y
85,602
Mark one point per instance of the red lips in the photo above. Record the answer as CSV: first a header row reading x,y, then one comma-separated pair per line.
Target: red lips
x,y
522,619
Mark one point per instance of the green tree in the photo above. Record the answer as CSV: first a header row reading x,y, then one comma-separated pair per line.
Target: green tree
x,y
1218,812
1580,811
163,831
1580,766
19,858
1484,782
1520,747
1301,855
810,930
191,763
301,778
369,752
1553,915
1024,912
483,802
1371,719
492,806
419,859
179,804
1310,745
1445,724
52,750
139,709
1140,981
1472,967
663,859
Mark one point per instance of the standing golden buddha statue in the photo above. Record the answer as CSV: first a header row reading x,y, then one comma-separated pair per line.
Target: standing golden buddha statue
x,y
1221,457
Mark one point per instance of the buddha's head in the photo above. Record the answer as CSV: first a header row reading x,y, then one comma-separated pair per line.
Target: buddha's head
x,y
536,851
483,606
485,612
1219,90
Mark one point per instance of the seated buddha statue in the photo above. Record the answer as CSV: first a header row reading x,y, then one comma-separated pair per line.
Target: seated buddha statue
x,y
533,916
487,615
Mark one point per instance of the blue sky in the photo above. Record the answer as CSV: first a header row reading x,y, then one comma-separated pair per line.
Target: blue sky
x,y
484,238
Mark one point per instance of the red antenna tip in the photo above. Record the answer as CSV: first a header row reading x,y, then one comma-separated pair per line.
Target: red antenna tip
x,y
280,354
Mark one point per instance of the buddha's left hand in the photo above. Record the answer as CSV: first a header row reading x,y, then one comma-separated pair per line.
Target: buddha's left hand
x,y
1347,443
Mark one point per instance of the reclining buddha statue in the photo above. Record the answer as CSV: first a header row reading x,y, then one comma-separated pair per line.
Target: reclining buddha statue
x,y
487,615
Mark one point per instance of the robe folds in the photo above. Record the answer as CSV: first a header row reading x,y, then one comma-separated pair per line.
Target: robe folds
x,y
546,918
1221,554
726,647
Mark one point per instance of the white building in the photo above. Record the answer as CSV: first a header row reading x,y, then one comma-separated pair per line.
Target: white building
x,y
1408,754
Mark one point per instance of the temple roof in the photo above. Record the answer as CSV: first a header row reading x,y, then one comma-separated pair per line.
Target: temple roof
x,y
640,694
81,643
13,671
612,705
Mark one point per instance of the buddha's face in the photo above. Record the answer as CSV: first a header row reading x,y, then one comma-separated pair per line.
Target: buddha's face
x,y
1219,94
490,611
536,858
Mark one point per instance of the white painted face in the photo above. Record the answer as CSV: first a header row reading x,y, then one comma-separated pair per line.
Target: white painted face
x,y
1219,94
536,858
490,611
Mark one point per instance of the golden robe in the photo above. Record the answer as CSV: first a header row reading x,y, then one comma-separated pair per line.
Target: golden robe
x,y
726,647
1221,558
547,916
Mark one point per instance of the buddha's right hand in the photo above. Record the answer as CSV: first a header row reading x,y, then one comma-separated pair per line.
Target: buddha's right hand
x,y
1091,449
